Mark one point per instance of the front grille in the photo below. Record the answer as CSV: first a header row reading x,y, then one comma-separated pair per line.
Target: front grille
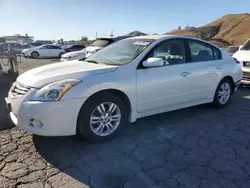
x,y
246,78
246,63
246,74
18,90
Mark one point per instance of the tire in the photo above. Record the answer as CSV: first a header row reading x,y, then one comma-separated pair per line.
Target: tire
x,y
89,109
35,55
223,96
60,55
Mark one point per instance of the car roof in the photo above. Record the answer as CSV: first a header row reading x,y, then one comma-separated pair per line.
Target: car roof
x,y
164,37
155,37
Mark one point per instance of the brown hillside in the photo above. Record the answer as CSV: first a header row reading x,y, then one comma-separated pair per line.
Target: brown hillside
x,y
231,29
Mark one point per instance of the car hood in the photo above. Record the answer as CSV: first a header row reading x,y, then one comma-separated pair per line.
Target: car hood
x,y
46,74
242,55
75,53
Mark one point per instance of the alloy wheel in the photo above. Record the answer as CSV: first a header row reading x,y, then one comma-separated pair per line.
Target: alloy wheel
x,y
105,119
224,93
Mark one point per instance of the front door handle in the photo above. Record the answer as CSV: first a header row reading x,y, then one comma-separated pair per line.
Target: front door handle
x,y
185,74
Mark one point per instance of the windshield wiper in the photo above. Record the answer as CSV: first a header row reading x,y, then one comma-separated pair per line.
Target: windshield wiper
x,y
92,61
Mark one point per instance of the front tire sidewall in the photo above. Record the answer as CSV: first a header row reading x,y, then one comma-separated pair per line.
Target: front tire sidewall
x,y
216,101
83,124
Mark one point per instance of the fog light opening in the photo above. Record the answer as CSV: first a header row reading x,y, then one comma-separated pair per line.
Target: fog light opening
x,y
36,123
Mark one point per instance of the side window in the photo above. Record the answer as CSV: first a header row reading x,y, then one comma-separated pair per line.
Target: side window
x,y
217,54
55,47
171,51
44,47
200,51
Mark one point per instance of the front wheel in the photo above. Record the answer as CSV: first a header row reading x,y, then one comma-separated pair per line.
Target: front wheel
x,y
35,55
102,117
223,93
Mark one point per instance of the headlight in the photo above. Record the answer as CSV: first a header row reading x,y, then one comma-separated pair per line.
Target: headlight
x,y
54,91
70,57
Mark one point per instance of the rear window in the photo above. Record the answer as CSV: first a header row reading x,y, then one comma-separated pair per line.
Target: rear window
x,y
232,49
101,43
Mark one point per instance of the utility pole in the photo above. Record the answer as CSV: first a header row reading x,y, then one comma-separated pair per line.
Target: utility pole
x,y
112,34
95,35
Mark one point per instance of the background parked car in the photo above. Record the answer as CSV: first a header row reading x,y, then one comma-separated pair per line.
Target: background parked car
x,y
17,48
73,48
232,49
32,44
50,51
43,42
243,56
91,49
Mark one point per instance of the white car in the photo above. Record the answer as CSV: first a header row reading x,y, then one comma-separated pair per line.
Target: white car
x,y
243,56
91,49
46,50
70,56
130,79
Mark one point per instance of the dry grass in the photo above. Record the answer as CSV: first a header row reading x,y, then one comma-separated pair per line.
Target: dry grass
x,y
233,29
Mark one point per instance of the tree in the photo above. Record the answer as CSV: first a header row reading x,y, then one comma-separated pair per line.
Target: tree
x,y
84,38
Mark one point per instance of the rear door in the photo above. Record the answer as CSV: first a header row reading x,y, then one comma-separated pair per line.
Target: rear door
x,y
204,65
53,51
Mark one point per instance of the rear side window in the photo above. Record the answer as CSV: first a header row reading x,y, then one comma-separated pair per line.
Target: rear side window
x,y
217,54
101,43
203,52
53,47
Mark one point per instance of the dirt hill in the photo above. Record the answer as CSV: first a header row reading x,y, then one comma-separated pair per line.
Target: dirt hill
x,y
232,29
136,33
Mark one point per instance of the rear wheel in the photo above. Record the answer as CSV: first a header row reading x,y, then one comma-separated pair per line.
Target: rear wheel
x,y
35,55
223,93
102,117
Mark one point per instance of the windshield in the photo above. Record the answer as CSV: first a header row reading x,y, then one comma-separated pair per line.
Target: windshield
x,y
120,53
246,45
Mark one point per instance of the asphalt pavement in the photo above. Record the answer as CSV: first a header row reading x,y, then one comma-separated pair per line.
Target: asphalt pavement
x,y
198,147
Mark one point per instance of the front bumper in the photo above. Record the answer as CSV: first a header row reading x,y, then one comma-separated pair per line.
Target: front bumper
x,y
57,118
246,77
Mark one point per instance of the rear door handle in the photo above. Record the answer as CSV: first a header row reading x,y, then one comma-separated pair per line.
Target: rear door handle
x,y
185,74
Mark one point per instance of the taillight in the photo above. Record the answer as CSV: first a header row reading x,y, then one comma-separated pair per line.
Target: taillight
x,y
236,61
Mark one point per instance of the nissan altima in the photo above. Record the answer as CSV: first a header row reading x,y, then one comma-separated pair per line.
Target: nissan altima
x,y
127,80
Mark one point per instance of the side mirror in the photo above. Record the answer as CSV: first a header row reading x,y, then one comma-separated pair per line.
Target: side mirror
x,y
153,62
240,47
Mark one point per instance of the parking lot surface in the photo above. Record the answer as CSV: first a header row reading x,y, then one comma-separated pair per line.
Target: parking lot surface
x,y
198,147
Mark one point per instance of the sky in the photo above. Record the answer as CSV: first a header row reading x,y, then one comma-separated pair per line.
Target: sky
x,y
72,19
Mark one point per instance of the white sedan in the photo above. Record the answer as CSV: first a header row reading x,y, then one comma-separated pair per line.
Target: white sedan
x,y
130,79
46,50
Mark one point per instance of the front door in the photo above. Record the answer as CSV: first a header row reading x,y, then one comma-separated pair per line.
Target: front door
x,y
167,86
42,51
